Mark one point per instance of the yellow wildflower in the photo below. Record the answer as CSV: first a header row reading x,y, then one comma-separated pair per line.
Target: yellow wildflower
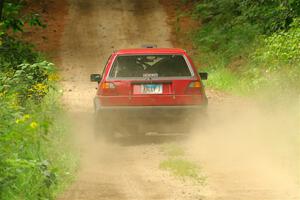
x,y
38,90
27,116
18,121
33,125
40,87
53,77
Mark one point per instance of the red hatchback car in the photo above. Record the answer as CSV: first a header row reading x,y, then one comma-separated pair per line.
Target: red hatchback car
x,y
148,90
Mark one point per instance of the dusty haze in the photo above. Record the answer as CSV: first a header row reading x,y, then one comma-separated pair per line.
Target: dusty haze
x,y
248,150
251,147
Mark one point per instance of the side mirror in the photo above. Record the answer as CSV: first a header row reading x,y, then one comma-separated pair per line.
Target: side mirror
x,y
203,75
96,78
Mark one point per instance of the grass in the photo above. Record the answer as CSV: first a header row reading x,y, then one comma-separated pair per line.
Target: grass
x,y
172,150
183,169
178,165
58,146
222,79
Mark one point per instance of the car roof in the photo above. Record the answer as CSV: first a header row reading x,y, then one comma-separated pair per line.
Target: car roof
x,y
150,51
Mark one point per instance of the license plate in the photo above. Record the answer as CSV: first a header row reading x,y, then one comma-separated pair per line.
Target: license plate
x,y
151,89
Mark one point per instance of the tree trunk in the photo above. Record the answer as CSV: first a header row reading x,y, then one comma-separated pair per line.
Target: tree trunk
x,y
1,8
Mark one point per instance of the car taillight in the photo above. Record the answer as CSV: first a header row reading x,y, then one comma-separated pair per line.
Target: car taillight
x,y
107,86
196,84
108,89
194,87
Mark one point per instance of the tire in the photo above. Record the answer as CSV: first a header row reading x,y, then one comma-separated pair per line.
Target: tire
x,y
102,128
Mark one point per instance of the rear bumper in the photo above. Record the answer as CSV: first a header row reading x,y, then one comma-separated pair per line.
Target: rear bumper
x,y
151,109
149,112
150,118
143,110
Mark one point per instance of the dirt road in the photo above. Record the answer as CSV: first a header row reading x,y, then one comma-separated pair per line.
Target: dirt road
x,y
128,169
96,29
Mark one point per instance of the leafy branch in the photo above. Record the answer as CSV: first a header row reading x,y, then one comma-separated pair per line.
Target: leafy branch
x,y
12,18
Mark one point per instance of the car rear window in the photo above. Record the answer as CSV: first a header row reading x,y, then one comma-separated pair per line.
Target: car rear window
x,y
154,66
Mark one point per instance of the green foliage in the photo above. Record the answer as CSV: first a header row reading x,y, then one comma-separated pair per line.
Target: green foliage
x,y
21,66
248,45
14,20
230,26
32,80
222,79
14,52
268,15
282,46
229,42
35,157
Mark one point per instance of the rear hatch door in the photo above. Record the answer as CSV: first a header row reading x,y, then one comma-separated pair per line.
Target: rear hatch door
x,y
150,80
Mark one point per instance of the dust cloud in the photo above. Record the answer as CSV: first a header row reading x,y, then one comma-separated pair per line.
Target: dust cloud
x,y
250,147
249,151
